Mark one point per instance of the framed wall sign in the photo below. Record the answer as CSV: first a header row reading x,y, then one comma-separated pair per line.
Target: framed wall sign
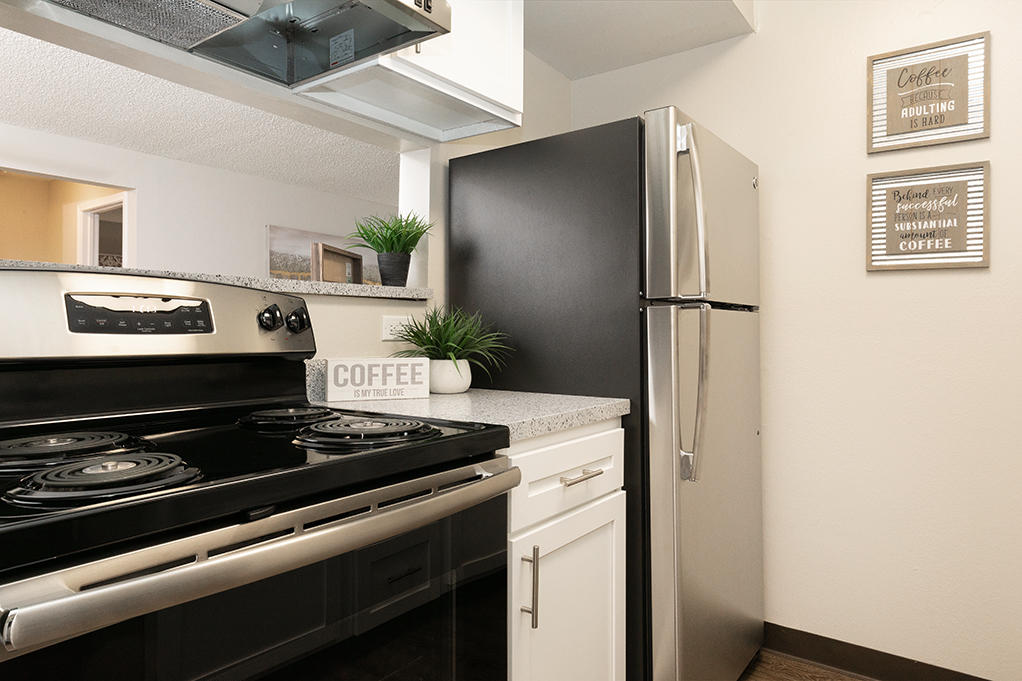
x,y
928,218
931,94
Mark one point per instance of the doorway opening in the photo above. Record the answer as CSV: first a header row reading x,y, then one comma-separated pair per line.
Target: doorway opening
x,y
101,231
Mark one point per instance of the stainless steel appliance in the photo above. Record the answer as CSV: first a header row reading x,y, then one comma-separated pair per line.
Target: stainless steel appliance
x,y
172,508
623,261
284,41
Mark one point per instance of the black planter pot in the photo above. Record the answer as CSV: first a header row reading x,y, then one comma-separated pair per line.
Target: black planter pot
x,y
393,268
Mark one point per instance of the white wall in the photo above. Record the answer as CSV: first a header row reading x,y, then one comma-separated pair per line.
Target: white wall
x,y
892,463
194,218
191,218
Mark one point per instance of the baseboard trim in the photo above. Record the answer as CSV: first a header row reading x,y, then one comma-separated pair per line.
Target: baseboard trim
x,y
855,659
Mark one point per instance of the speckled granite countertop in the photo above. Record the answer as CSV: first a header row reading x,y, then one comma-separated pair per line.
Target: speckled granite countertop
x,y
323,288
525,414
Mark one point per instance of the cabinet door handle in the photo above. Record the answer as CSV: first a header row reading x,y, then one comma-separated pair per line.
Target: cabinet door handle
x,y
534,608
587,474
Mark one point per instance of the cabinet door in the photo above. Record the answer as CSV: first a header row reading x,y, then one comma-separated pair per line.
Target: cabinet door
x,y
483,52
579,602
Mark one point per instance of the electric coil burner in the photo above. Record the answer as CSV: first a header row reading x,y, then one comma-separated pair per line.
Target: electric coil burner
x,y
166,490
359,433
285,420
23,455
101,479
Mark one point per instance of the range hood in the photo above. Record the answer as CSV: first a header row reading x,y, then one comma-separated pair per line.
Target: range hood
x,y
285,42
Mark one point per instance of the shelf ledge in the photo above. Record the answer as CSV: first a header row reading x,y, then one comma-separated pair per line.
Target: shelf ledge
x,y
319,288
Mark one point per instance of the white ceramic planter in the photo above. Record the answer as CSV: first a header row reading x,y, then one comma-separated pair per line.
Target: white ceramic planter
x,y
444,377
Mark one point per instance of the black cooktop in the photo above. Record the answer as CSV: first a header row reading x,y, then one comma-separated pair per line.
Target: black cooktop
x,y
105,483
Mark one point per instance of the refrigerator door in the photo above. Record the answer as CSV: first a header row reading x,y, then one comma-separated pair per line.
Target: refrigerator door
x,y
706,518
702,214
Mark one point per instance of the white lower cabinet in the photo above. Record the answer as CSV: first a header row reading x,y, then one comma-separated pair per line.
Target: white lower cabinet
x,y
569,570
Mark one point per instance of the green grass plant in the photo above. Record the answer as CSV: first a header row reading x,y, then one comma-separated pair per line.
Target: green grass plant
x,y
451,333
396,234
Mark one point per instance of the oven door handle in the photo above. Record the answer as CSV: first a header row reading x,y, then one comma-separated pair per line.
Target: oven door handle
x,y
70,611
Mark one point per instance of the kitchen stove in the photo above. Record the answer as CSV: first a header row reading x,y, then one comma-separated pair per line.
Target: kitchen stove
x,y
183,467
149,467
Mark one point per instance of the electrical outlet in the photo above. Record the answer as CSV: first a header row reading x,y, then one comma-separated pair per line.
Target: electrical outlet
x,y
390,326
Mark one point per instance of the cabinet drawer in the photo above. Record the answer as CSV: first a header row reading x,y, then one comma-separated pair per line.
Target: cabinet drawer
x,y
547,486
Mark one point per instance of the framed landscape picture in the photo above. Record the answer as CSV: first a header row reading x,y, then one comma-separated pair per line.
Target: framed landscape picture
x,y
291,254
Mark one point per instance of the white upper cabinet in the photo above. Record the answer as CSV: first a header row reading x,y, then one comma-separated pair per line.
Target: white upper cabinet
x,y
464,83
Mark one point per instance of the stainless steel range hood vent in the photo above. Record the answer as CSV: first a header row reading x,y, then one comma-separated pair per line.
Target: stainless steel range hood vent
x,y
181,23
286,42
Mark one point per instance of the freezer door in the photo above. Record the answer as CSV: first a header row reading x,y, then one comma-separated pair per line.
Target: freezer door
x,y
702,214
706,518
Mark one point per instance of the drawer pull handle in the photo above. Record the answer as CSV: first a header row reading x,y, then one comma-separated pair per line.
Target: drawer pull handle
x,y
534,608
587,474
407,573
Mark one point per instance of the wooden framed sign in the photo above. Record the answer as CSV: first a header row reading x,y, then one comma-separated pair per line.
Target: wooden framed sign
x,y
928,218
931,94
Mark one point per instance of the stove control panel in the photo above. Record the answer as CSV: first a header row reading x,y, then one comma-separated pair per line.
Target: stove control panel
x,y
136,314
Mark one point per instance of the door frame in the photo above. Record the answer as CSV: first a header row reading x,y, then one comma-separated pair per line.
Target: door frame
x,y
87,224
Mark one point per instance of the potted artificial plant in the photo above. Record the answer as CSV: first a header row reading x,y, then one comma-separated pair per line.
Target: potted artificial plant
x,y
453,340
393,239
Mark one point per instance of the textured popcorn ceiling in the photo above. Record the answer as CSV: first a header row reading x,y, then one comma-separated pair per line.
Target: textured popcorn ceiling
x,y
51,88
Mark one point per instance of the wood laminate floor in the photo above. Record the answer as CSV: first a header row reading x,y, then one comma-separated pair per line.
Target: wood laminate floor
x,y
771,666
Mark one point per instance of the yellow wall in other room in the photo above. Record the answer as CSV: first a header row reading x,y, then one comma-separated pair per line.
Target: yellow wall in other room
x,y
38,217
25,231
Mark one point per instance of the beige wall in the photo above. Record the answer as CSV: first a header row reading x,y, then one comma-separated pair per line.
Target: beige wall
x,y
25,229
893,517
351,327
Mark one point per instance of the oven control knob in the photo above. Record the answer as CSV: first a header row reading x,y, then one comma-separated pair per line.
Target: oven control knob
x,y
298,320
271,318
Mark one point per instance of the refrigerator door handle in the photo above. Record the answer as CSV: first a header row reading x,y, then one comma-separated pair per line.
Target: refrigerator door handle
x,y
687,145
690,460
677,264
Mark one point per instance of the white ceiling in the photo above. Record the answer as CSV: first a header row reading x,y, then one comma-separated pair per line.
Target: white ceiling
x,y
51,88
581,38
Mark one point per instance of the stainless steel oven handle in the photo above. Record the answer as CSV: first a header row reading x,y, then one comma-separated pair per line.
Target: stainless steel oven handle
x,y
34,626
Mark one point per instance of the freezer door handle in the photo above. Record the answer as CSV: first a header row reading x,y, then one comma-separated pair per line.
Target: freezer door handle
x,y
690,460
677,264
687,144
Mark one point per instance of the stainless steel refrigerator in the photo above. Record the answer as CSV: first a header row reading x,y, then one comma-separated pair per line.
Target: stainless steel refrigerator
x,y
623,261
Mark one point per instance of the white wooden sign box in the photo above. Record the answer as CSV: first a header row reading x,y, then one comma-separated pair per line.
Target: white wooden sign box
x,y
377,378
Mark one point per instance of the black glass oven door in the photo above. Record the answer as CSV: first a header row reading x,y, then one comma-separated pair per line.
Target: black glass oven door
x,y
428,605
